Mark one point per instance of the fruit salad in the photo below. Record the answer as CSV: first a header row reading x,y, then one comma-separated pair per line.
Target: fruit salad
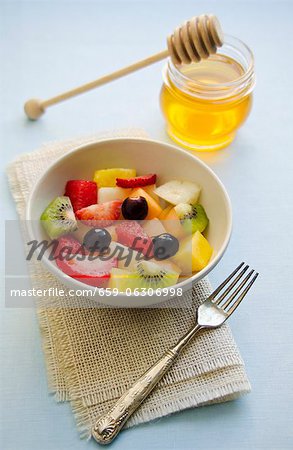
x,y
123,231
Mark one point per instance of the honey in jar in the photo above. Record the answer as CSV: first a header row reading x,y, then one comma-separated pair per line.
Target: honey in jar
x,y
205,103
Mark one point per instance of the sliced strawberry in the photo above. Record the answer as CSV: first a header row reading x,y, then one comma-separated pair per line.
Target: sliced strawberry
x,y
144,180
131,234
82,193
88,270
101,215
69,245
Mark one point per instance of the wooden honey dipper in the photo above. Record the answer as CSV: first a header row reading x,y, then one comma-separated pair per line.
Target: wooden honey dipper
x,y
196,39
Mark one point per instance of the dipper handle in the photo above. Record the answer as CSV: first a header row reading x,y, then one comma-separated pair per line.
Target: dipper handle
x,y
196,39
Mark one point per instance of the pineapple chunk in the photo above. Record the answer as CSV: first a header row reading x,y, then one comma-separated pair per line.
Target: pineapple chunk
x,y
107,177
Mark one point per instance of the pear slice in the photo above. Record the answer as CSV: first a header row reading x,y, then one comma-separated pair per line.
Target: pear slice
x,y
176,192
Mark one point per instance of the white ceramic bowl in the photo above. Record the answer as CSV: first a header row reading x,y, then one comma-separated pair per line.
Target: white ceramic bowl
x,y
147,156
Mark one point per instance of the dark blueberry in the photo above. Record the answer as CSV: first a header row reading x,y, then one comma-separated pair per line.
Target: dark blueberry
x,y
97,239
135,208
165,246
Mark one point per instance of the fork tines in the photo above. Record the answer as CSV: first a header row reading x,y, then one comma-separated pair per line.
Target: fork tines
x,y
238,285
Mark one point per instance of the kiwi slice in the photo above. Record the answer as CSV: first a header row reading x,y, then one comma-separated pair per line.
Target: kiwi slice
x,y
58,218
192,217
151,275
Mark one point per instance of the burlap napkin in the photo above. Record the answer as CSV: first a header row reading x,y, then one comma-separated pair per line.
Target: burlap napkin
x,y
94,354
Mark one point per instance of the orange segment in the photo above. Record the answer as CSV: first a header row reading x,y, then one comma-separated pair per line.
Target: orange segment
x,y
107,177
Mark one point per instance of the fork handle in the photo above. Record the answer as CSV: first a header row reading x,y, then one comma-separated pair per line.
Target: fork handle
x,y
108,426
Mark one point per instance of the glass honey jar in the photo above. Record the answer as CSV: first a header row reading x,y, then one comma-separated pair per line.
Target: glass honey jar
x,y
205,103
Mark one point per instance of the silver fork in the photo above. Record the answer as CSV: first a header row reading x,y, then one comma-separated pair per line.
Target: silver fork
x,y
211,314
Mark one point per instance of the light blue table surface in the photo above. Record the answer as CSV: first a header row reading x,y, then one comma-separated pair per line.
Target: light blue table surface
x,y
49,46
